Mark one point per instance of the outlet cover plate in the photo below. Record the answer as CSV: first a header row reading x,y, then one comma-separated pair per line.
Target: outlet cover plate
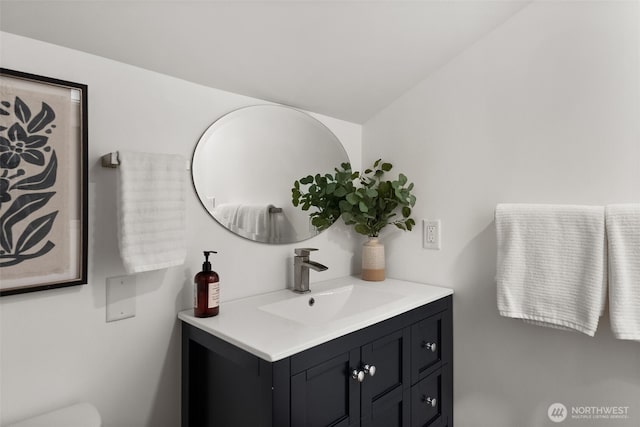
x,y
121,298
431,234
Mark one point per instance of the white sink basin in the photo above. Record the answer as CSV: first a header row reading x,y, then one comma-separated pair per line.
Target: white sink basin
x,y
279,324
322,307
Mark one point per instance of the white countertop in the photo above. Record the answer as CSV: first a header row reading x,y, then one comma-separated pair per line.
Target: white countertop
x,y
243,323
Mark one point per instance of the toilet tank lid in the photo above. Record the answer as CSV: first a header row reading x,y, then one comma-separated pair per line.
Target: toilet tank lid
x,y
79,415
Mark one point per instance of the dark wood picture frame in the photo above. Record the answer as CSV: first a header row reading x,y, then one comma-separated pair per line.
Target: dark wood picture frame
x,y
43,183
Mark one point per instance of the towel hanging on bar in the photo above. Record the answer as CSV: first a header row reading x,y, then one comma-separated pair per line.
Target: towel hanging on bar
x,y
151,211
112,161
551,264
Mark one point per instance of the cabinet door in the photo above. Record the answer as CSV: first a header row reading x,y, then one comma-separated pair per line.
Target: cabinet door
x,y
384,400
390,410
326,395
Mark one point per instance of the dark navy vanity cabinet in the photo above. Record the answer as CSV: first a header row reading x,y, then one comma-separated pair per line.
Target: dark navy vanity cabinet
x,y
396,373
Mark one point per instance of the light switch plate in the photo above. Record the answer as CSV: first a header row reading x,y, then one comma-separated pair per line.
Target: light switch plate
x,y
121,298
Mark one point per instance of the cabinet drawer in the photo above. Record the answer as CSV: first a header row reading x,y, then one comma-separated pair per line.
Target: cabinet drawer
x,y
430,400
428,346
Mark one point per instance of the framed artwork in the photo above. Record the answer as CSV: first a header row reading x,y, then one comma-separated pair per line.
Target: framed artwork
x,y
43,183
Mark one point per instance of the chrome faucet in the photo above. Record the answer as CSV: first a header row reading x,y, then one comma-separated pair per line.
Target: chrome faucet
x,y
301,266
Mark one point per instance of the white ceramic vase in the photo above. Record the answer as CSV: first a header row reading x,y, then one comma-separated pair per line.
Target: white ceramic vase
x,y
373,260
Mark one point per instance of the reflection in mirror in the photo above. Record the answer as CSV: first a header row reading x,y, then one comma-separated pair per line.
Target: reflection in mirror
x,y
246,162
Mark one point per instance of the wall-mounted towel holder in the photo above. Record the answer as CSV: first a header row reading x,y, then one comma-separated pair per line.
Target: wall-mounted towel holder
x,y
111,160
211,201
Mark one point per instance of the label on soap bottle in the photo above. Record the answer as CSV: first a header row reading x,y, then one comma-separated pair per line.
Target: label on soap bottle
x,y
214,295
195,295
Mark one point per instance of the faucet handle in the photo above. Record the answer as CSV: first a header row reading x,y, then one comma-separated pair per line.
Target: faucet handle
x,y
304,251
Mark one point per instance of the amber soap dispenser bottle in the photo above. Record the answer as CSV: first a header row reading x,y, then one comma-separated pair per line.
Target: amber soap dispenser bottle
x,y
206,292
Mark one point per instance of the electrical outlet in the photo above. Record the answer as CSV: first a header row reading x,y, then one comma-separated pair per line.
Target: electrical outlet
x,y
431,234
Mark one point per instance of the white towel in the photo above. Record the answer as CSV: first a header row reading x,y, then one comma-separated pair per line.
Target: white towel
x,y
254,221
226,214
623,231
551,267
151,211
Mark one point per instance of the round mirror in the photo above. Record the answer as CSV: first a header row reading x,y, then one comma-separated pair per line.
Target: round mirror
x,y
246,162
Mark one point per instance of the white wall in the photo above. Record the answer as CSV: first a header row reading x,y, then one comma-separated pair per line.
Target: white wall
x,y
545,109
56,348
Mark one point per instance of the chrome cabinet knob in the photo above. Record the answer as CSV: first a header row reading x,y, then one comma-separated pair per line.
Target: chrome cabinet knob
x,y
369,369
430,401
357,375
429,346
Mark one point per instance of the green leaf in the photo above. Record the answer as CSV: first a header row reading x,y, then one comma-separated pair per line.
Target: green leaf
x,y
406,211
331,187
402,178
340,192
344,206
363,207
371,192
362,229
352,198
386,167
306,180
375,165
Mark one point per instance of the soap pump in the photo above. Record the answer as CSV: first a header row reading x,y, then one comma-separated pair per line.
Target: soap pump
x,y
206,292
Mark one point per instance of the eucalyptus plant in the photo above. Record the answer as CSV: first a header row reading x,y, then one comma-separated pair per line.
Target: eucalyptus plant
x,y
365,200
324,192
